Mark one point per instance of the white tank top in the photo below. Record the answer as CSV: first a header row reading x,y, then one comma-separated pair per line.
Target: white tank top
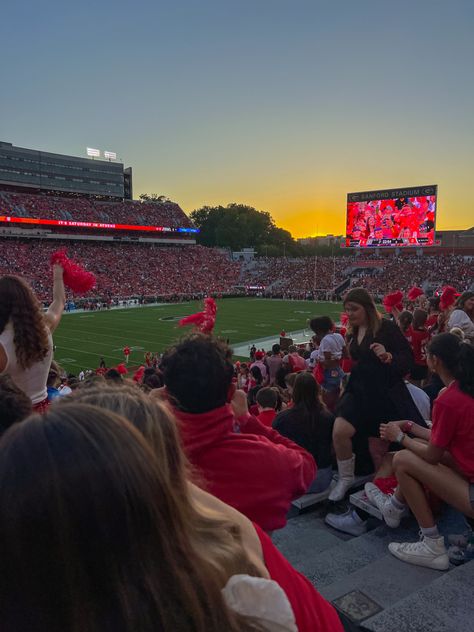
x,y
31,381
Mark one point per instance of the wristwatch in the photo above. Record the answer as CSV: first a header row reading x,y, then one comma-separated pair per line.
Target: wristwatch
x,y
400,437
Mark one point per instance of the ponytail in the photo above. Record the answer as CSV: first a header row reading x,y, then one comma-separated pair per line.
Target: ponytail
x,y
465,370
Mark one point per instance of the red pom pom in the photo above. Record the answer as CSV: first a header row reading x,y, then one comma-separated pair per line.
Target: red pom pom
x,y
448,296
139,373
122,369
414,293
393,300
205,320
344,318
75,277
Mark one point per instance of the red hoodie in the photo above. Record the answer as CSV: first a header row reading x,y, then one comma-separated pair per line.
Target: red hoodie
x,y
256,470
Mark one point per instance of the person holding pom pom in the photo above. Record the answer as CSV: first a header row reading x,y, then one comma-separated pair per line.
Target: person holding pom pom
x,y
26,343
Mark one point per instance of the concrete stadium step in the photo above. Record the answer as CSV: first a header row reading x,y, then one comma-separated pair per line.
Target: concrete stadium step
x,y
444,605
325,555
308,500
365,582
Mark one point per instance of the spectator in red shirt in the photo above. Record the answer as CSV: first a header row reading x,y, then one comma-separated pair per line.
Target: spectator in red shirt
x,y
445,465
255,470
267,402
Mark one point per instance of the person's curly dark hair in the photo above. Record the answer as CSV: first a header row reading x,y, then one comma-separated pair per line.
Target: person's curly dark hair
x,y
19,305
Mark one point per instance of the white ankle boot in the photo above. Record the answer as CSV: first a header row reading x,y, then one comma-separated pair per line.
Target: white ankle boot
x,y
346,478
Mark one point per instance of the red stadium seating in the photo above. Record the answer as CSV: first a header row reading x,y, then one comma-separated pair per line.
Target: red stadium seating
x,y
125,270
84,209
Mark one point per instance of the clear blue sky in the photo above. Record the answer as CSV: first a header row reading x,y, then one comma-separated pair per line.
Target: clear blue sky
x,y
285,105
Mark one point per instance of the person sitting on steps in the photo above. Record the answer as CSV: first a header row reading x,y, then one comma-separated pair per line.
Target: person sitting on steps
x,y
445,464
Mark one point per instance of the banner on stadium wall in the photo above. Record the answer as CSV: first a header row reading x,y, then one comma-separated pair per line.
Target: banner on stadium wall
x,y
93,225
392,217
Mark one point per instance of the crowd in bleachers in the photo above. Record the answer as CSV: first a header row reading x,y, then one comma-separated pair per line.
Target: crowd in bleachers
x,y
125,270
149,503
163,271
165,213
404,272
298,277
291,276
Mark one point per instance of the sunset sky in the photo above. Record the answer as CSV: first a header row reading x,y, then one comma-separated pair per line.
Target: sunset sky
x,y
282,104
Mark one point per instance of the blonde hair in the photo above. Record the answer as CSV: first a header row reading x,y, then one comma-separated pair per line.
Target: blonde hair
x,y
210,531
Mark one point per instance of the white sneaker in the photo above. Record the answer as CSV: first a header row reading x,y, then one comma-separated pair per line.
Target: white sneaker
x,y
392,515
376,497
429,552
348,522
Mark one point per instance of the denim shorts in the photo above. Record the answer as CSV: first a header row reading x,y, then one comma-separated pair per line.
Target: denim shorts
x,y
332,379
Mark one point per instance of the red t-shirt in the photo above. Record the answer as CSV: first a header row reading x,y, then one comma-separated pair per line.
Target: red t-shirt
x,y
453,427
267,417
419,338
312,612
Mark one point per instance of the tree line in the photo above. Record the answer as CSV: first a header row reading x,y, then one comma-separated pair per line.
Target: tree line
x,y
238,226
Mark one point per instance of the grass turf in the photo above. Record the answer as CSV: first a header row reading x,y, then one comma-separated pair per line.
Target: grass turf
x,y
83,338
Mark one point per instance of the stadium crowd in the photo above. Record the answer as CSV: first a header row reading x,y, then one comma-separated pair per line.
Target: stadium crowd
x,y
130,505
126,270
294,278
404,272
84,209
129,270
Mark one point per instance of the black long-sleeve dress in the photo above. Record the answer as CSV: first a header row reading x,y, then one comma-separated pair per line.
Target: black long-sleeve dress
x,y
376,392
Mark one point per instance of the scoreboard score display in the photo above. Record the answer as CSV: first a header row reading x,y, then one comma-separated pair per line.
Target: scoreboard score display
x,y
392,217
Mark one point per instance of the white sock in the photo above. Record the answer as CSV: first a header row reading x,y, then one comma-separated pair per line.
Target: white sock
x,y
430,532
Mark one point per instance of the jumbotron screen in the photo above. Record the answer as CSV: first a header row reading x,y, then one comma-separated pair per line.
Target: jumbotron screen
x,y
391,217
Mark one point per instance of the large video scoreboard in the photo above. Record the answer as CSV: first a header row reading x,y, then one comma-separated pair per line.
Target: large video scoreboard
x,y
392,217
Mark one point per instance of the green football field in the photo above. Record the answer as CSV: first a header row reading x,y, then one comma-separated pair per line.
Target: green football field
x,y
83,338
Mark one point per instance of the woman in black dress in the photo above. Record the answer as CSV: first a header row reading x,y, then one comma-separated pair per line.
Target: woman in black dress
x,y
376,391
